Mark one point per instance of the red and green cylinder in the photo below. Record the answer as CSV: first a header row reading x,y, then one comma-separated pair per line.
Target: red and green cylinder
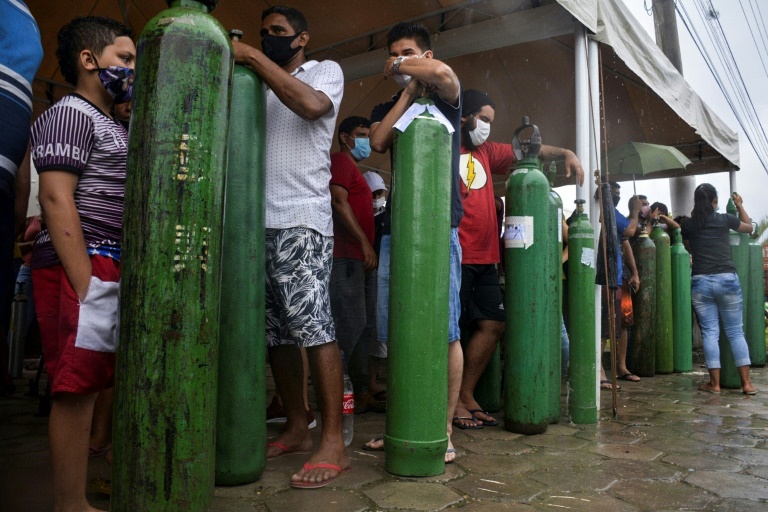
x,y
641,353
528,242
418,306
664,343
682,317
582,395
241,414
167,360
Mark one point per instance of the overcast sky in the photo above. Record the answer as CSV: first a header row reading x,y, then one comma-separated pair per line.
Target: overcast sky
x,y
752,180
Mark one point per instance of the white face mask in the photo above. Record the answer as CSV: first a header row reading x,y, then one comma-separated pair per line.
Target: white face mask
x,y
480,133
378,204
404,80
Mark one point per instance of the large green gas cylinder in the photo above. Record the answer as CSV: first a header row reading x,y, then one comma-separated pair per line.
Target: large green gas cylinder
x,y
641,355
729,375
582,395
754,305
418,305
488,388
165,389
241,414
528,242
664,351
682,318
556,291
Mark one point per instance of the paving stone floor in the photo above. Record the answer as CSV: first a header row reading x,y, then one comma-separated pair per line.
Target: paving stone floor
x,y
671,448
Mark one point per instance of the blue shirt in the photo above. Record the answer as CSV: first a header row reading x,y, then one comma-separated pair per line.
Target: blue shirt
x,y
20,56
622,223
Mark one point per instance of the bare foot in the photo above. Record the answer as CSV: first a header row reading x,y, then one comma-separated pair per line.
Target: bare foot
x,y
463,419
322,467
375,445
450,453
709,388
288,443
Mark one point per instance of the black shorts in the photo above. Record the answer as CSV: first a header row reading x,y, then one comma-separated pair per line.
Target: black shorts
x,y
481,297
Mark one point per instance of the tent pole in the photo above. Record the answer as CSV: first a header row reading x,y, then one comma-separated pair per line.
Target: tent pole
x,y
582,105
593,64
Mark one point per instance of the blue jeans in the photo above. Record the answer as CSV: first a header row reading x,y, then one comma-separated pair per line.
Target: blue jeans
x,y
454,294
717,297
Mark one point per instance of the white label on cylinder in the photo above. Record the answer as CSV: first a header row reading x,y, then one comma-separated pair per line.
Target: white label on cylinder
x,y
518,232
588,256
560,225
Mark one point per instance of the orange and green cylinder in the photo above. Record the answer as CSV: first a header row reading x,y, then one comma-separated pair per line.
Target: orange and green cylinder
x,y
664,343
682,316
418,306
241,415
167,360
582,396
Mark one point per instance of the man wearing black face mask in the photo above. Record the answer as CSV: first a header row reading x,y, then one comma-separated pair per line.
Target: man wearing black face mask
x,y
303,99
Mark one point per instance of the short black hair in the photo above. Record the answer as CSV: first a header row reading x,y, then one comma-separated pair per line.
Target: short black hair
x,y
350,123
662,208
406,30
294,17
86,33
641,196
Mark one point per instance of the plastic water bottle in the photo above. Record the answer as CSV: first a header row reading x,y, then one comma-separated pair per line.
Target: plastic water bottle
x,y
348,411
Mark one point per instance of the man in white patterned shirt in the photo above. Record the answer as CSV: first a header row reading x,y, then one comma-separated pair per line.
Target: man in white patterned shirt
x,y
303,99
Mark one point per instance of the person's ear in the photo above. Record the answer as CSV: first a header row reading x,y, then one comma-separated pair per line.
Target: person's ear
x,y
88,60
303,39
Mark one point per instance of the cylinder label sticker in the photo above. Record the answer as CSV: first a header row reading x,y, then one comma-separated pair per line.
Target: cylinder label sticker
x,y
518,232
560,225
588,256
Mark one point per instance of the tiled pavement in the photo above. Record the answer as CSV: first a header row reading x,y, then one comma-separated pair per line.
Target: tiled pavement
x,y
671,448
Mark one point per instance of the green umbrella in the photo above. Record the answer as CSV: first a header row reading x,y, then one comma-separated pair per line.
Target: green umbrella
x,y
641,158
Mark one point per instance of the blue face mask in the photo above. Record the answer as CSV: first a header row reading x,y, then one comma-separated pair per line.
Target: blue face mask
x,y
362,149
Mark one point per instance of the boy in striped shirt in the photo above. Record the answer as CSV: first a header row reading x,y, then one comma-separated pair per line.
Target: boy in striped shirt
x,y
80,152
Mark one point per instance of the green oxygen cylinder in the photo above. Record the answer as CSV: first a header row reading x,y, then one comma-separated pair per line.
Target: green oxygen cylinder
x,y
641,354
418,306
241,415
682,317
528,245
556,296
488,388
729,375
664,350
166,375
755,306
582,396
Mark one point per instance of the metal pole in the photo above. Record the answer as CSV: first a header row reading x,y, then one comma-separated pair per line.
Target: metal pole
x,y
582,102
591,208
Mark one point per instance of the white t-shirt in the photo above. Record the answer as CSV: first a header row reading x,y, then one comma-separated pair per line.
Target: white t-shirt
x,y
298,155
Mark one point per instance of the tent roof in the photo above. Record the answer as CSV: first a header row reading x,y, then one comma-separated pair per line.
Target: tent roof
x,y
519,51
